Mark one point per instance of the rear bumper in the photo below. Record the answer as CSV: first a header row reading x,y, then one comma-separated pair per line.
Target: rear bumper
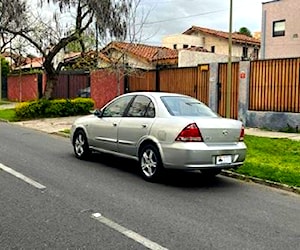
x,y
197,156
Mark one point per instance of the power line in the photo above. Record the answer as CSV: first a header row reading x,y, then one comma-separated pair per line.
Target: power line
x,y
178,18
159,2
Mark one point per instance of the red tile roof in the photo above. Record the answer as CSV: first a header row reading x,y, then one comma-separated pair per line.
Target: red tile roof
x,y
34,60
32,63
147,52
236,37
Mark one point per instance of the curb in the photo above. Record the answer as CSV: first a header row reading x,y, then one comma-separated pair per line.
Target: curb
x,y
61,134
273,184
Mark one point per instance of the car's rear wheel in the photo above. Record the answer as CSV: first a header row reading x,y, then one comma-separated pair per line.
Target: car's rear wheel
x,y
210,172
80,145
150,163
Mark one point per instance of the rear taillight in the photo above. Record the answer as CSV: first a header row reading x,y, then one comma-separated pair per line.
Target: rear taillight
x,y
190,133
242,134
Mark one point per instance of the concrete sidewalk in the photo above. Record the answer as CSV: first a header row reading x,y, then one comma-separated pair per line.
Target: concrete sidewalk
x,y
49,125
8,105
272,134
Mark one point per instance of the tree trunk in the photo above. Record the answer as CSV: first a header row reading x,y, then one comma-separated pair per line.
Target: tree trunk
x,y
50,85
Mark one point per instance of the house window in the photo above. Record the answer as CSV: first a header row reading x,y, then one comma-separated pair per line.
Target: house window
x,y
174,46
213,49
245,53
185,46
279,28
255,53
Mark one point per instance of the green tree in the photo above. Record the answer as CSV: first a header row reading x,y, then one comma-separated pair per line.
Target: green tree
x,y
49,38
245,31
4,67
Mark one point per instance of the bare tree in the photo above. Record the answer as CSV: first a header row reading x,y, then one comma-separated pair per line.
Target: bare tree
x,y
8,18
47,37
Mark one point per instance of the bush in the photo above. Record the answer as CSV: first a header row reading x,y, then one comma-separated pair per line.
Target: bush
x,y
54,108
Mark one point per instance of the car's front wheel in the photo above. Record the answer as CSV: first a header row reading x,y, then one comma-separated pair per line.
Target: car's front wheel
x,y
80,145
150,163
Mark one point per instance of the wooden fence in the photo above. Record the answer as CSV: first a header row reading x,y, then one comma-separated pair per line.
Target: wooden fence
x,y
192,81
274,85
141,81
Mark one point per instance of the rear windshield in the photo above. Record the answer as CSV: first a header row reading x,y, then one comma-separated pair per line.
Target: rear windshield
x,y
186,106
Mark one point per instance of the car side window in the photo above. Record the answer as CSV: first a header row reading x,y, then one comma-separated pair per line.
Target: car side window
x,y
117,108
142,106
150,110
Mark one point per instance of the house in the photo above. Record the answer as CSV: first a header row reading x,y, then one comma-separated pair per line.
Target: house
x,y
31,63
140,56
131,55
280,29
36,63
214,41
147,57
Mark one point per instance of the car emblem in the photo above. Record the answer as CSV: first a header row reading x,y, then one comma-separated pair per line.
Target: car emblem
x,y
225,132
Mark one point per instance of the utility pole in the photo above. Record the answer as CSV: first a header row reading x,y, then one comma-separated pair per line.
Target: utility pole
x,y
0,71
229,76
97,44
0,63
0,77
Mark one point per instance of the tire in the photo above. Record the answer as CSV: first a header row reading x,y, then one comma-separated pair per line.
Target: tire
x,y
80,145
210,173
150,163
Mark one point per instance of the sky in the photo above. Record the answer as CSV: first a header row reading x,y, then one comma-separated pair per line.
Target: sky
x,y
168,17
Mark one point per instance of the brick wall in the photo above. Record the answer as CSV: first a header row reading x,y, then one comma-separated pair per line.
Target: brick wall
x,y
22,88
104,87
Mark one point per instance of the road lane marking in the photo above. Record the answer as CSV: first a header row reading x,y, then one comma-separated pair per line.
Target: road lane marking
x,y
22,177
128,233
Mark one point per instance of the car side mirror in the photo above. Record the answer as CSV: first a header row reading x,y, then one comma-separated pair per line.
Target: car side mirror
x,y
98,113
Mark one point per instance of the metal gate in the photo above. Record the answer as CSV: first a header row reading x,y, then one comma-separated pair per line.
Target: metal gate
x,y
222,89
71,83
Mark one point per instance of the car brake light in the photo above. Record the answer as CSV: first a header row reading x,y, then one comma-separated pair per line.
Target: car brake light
x,y
190,133
242,134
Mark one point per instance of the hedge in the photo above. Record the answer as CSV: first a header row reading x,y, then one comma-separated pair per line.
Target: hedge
x,y
54,108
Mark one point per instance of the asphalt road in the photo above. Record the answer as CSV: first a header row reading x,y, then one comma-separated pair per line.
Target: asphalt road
x,y
184,211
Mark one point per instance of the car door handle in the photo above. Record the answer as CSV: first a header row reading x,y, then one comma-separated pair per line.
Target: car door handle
x,y
144,125
115,124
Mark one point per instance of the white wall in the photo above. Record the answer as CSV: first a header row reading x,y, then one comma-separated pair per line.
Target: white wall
x,y
180,40
188,58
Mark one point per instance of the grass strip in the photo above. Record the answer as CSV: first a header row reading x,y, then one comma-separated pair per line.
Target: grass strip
x,y
8,115
272,159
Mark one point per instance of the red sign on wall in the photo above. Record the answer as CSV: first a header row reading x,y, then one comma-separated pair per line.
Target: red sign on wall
x,y
243,75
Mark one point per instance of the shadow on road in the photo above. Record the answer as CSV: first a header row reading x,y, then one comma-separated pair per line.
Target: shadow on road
x,y
170,178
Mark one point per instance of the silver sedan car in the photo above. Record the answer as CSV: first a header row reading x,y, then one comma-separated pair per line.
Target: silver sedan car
x,y
161,131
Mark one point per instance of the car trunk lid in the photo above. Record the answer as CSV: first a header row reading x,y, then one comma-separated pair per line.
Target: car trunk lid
x,y
215,130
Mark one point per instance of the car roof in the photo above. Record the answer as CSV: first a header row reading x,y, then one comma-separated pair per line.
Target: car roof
x,y
154,93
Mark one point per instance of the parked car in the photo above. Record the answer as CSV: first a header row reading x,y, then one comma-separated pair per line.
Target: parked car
x,y
86,92
161,131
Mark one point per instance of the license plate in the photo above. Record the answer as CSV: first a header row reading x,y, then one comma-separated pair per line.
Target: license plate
x,y
223,159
